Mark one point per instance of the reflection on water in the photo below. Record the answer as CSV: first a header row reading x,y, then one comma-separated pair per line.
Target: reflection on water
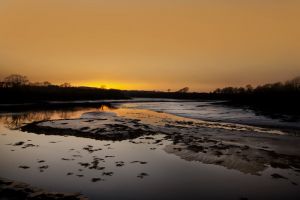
x,y
16,120
209,111
107,107
231,161
69,168
160,166
147,114
208,142
165,119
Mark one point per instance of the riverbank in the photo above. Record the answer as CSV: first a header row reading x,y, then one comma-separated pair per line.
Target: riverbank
x,y
252,148
131,151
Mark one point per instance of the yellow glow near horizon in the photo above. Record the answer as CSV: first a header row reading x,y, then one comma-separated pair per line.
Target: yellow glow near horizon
x,y
153,45
110,85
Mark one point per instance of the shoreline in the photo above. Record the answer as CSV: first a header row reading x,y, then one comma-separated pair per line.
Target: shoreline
x,y
246,147
109,146
70,105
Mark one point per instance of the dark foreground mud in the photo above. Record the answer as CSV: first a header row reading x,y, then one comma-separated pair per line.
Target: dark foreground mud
x,y
250,150
12,190
149,151
232,155
123,132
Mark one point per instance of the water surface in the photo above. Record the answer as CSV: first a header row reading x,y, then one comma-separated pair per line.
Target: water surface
x,y
166,175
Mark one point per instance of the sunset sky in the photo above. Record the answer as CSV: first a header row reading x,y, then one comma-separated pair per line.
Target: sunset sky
x,y
152,45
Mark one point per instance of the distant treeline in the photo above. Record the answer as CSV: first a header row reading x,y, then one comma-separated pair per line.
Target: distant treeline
x,y
276,97
270,97
168,95
290,86
37,94
18,89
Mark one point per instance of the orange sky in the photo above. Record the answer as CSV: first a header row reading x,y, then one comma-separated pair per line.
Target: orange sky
x,y
158,44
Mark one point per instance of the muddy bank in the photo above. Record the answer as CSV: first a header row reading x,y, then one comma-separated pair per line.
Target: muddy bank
x,y
13,190
248,149
239,157
102,127
121,132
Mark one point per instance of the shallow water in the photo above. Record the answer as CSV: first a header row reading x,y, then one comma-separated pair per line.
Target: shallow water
x,y
168,176
211,111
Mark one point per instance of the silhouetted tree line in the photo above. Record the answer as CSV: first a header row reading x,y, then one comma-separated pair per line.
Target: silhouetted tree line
x,y
16,80
18,89
276,97
290,86
281,97
168,95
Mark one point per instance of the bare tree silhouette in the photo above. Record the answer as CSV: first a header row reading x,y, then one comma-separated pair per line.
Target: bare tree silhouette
x,y
183,90
15,80
65,85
